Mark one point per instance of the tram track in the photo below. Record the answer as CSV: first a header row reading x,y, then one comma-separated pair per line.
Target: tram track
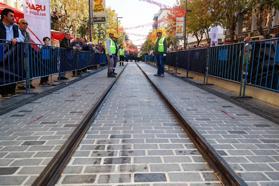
x,y
50,175
54,169
216,162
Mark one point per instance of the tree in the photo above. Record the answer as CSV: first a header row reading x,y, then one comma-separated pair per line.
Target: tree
x,y
265,11
69,15
232,13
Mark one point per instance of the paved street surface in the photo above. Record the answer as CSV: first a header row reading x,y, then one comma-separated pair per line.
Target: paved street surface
x,y
249,143
137,141
31,135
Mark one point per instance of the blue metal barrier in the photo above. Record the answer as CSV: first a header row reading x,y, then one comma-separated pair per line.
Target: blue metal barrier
x,y
25,61
230,62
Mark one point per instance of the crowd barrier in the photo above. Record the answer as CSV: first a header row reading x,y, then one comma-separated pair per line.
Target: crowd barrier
x,y
25,61
259,67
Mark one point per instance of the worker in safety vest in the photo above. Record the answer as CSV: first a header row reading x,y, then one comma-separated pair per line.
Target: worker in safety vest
x,y
160,52
121,55
111,52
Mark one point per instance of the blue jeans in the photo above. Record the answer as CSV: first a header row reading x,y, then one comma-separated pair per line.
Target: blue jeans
x,y
160,58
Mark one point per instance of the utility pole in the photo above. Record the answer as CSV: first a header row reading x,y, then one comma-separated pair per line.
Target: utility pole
x,y
90,21
185,26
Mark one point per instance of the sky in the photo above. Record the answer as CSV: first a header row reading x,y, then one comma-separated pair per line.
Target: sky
x,y
134,13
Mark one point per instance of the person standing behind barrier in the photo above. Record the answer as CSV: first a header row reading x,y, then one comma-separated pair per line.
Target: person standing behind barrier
x,y
9,32
65,43
46,48
160,52
111,53
121,55
26,39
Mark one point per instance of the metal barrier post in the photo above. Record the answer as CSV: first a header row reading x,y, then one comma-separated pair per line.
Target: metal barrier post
x,y
26,53
242,75
206,67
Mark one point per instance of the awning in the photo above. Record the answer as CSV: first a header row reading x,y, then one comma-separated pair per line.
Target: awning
x,y
18,13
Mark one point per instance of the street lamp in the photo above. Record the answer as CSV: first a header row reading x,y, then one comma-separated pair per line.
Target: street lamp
x,y
185,26
117,18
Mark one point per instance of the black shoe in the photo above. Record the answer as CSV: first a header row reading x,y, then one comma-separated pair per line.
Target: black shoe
x,y
111,76
114,73
62,78
157,75
21,87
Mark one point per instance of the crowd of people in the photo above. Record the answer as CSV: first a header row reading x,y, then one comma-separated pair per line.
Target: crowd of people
x,y
12,34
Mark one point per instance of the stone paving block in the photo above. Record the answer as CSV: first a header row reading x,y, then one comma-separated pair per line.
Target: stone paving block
x,y
187,177
160,152
99,169
8,170
132,153
121,160
176,159
145,146
26,162
196,167
45,154
73,169
92,147
147,160
86,161
256,167
14,148
164,167
5,162
239,152
30,170
150,177
12,180
255,176
102,153
20,155
133,168
79,179
259,159
115,178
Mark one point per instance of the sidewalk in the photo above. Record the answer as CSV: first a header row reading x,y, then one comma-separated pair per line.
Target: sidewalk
x,y
32,134
21,98
248,142
254,105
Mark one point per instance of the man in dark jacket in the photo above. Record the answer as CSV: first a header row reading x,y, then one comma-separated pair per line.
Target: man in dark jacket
x,y
9,32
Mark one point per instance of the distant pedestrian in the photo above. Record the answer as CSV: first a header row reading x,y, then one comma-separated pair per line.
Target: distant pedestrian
x,y
121,55
111,52
160,52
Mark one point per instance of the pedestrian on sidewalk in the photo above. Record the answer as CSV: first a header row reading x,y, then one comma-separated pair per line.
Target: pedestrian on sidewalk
x,y
160,53
121,55
111,52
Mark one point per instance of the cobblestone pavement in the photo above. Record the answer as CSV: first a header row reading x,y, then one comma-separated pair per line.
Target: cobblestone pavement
x,y
136,140
249,143
31,135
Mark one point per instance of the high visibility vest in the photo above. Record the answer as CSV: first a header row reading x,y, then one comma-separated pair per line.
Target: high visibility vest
x,y
121,52
161,47
112,47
